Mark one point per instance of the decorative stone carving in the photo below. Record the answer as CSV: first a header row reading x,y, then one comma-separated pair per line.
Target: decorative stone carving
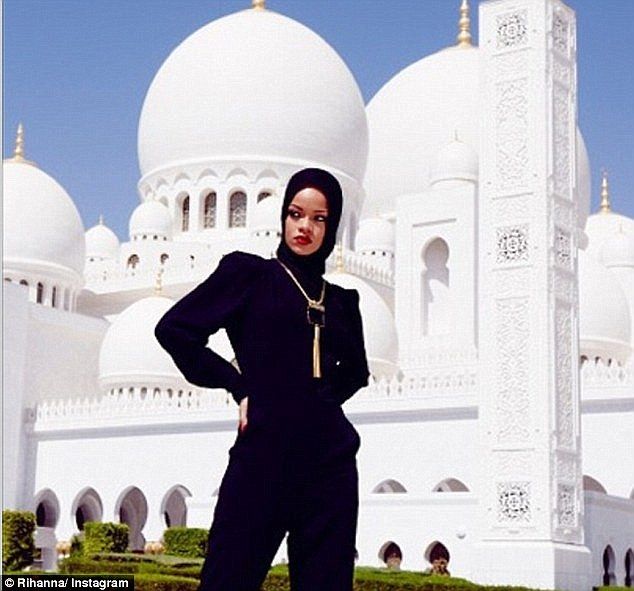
x,y
563,368
511,112
514,282
561,142
512,401
560,34
512,244
512,29
566,506
508,210
563,254
514,502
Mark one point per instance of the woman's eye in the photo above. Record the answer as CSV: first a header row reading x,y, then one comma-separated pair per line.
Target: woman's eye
x,y
321,218
293,213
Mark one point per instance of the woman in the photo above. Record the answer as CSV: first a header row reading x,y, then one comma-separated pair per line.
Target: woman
x,y
299,346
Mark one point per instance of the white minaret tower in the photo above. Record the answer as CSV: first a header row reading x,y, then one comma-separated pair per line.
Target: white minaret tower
x,y
531,509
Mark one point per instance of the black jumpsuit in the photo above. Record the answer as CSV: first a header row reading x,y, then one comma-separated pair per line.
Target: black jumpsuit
x,y
293,468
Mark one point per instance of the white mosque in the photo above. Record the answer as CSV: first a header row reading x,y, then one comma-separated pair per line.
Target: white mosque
x,y
497,430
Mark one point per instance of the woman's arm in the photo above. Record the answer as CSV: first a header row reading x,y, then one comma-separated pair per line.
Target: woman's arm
x,y
185,328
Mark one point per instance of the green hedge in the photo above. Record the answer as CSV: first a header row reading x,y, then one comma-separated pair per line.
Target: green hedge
x,y
186,541
172,573
18,544
105,537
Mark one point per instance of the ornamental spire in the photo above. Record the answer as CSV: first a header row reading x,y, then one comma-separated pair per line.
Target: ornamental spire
x,y
101,219
18,152
464,25
605,194
258,4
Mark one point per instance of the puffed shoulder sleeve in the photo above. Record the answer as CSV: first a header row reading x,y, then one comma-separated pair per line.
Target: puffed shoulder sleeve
x,y
351,368
184,329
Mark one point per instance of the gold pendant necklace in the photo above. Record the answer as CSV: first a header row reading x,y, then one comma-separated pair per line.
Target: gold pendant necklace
x,y
316,315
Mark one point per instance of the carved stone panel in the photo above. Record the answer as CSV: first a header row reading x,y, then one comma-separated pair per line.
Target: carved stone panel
x,y
512,244
514,502
563,369
512,343
512,29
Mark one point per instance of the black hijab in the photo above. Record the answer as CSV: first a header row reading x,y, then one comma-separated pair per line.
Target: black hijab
x,y
308,269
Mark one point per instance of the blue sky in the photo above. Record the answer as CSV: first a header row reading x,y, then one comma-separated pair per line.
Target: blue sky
x,y
76,73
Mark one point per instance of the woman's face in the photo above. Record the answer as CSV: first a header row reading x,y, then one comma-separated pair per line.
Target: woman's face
x,y
305,225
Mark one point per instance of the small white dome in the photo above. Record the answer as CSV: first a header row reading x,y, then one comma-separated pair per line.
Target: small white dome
x,y
101,242
456,161
618,250
151,218
41,223
411,118
375,235
267,215
604,315
379,327
254,83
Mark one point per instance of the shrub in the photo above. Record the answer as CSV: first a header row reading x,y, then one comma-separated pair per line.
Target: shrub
x,y
105,537
18,544
186,541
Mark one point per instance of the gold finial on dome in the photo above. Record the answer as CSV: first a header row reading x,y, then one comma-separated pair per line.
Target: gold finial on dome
x,y
339,266
605,194
158,285
464,24
18,153
258,4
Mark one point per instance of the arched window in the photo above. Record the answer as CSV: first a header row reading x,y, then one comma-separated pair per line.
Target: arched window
x,y
263,195
609,563
173,507
39,296
391,554
24,282
132,508
54,296
8,279
164,257
185,214
87,507
450,485
209,210
46,508
438,556
238,210
435,300
629,567
133,261
389,486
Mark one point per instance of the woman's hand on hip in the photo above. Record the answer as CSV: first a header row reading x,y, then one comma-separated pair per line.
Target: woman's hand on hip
x,y
242,420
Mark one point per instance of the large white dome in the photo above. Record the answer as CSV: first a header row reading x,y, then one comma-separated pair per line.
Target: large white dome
x,y
416,114
379,327
254,84
130,355
42,226
604,315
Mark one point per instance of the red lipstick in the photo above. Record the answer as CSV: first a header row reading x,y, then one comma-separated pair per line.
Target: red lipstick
x,y
303,240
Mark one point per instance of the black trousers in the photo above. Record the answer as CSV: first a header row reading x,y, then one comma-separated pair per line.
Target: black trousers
x,y
273,485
